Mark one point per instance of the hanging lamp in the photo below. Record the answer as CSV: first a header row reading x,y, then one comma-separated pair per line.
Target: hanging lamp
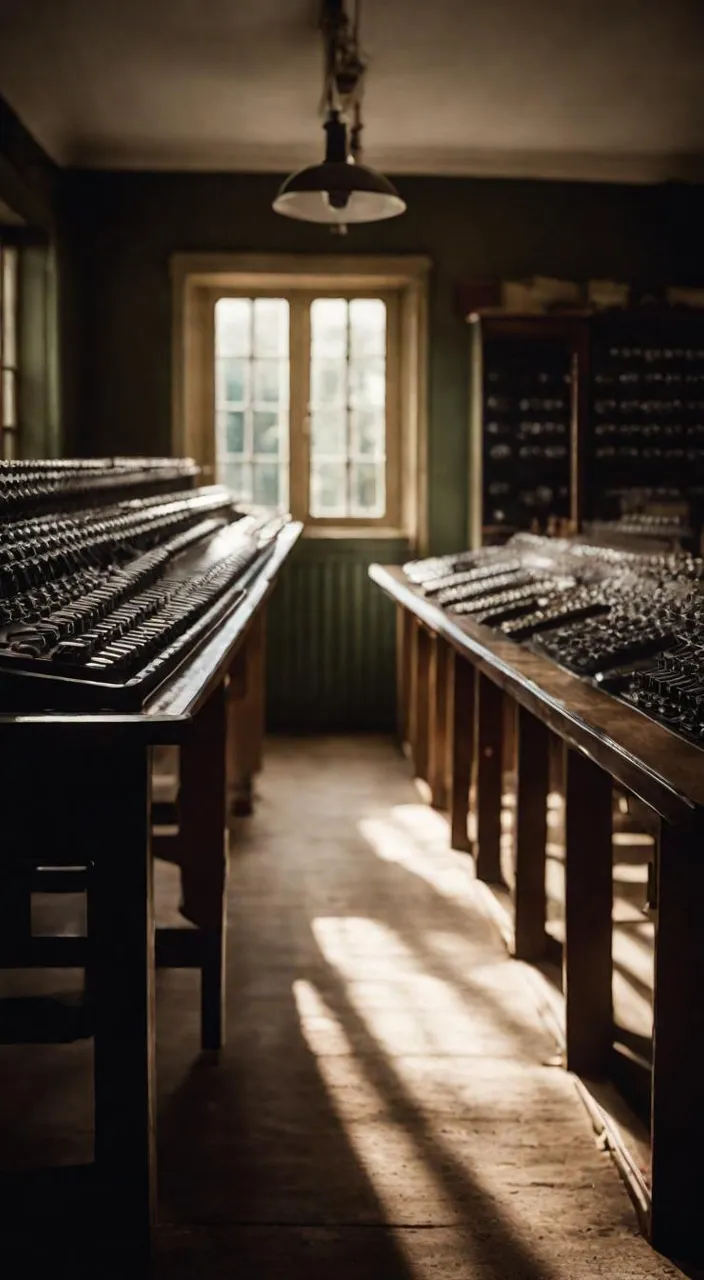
x,y
341,189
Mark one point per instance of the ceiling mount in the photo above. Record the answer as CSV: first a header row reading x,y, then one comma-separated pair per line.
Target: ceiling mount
x,y
341,190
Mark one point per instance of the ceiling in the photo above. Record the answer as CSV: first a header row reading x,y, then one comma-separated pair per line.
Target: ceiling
x,y
585,89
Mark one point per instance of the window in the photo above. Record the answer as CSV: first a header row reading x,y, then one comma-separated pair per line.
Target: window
x,y
348,408
300,382
302,414
8,352
252,398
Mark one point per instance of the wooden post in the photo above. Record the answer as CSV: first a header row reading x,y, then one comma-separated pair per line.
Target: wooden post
x,y
588,916
404,625
678,1048
204,855
412,641
532,737
245,718
437,735
15,905
489,779
422,708
121,947
462,681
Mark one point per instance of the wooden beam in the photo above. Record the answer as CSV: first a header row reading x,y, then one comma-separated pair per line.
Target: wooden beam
x,y
678,1049
121,932
422,707
532,741
438,721
462,681
204,855
588,916
489,753
245,718
404,628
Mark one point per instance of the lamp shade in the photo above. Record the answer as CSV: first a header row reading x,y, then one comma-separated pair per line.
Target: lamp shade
x,y
338,191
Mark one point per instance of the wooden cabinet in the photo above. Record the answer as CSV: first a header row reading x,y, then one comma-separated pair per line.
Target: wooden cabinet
x,y
585,416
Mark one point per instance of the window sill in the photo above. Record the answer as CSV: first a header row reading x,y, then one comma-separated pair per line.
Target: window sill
x,y
354,533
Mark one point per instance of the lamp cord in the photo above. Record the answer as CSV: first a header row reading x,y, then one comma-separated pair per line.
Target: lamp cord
x,y
343,66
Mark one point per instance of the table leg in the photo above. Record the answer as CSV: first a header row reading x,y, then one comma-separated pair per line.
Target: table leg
x,y
462,682
412,641
588,916
489,779
15,906
437,736
121,948
678,1047
422,718
531,835
245,717
404,624
204,855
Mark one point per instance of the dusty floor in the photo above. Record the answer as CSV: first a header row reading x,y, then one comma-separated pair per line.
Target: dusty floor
x,y
388,1104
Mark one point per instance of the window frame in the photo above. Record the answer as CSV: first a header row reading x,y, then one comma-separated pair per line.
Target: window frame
x,y
200,279
299,436
10,430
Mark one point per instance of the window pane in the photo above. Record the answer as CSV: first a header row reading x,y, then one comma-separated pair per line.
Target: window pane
x,y
270,327
328,327
233,381
266,431
234,431
368,384
9,300
367,327
328,381
367,489
328,485
233,326
266,483
328,429
270,381
238,477
368,432
9,398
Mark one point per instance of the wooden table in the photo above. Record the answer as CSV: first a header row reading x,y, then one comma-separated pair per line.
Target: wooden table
x,y
78,789
453,678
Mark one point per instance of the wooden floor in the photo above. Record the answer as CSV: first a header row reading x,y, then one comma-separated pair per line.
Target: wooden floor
x,y
389,1104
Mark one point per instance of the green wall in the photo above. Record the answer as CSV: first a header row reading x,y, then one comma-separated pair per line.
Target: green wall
x,y
126,226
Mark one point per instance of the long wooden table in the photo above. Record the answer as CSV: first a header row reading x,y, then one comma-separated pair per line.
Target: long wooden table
x,y
78,789
454,677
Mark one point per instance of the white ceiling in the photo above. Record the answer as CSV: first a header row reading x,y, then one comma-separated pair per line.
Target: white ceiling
x,y
585,89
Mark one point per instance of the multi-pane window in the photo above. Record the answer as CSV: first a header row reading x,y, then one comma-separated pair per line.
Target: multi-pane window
x,y
348,408
302,418
8,352
252,398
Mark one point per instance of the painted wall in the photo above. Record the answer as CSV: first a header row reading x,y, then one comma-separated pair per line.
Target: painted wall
x,y
331,635
126,226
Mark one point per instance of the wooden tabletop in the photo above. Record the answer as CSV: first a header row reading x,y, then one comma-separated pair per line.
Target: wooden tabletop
x,y
666,772
168,715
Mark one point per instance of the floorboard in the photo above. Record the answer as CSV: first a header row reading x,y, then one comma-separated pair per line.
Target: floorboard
x,y
389,1101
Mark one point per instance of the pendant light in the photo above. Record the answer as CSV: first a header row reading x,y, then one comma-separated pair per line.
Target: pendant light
x,y
341,189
